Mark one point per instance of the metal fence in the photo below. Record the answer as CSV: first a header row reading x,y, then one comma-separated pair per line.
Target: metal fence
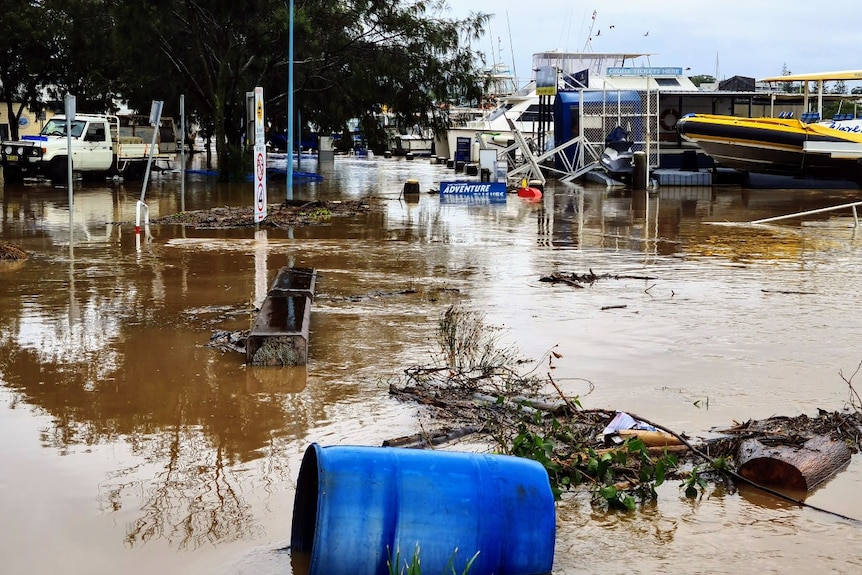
x,y
640,119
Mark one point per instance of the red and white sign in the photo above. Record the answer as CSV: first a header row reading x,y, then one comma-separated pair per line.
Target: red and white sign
x,y
259,183
259,158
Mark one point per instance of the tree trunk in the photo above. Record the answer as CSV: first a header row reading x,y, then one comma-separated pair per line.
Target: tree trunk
x,y
795,467
13,119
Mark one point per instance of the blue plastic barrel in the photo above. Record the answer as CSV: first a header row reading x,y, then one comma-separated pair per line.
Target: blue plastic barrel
x,y
355,507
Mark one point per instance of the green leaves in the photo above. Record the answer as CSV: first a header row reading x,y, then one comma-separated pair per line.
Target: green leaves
x,y
351,58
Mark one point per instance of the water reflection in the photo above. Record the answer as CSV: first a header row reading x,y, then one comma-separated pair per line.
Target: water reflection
x,y
183,446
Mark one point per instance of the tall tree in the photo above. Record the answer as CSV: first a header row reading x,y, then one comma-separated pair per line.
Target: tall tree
x,y
213,51
84,62
406,57
26,49
352,57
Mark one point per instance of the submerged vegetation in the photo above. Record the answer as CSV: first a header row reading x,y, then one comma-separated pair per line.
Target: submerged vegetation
x,y
475,382
414,566
284,215
475,387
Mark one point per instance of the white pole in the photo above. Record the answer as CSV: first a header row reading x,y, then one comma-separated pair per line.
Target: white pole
x,y
155,122
648,131
70,115
808,213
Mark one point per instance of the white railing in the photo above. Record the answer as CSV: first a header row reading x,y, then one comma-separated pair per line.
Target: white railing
x,y
810,212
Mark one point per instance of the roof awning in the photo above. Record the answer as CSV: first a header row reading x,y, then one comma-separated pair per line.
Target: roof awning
x,y
817,76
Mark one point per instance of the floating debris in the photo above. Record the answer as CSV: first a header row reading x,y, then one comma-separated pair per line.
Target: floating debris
x,y
577,280
12,252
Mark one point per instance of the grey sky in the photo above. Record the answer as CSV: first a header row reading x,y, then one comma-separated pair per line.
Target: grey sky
x,y
748,38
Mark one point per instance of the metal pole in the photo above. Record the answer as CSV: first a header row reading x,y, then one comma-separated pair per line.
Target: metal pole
x,y
182,152
70,113
155,122
648,132
809,212
290,109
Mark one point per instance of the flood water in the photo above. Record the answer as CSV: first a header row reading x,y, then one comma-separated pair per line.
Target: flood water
x,y
129,446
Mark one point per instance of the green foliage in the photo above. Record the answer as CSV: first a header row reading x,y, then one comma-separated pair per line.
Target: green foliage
x,y
414,566
475,354
789,87
603,470
26,50
317,214
702,79
351,59
695,484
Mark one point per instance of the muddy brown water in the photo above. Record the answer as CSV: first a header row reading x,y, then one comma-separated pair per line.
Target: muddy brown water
x,y
130,446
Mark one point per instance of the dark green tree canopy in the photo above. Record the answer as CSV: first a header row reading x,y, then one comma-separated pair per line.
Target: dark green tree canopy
x,y
352,59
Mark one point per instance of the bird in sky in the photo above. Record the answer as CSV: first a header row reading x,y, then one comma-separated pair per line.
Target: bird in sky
x,y
647,34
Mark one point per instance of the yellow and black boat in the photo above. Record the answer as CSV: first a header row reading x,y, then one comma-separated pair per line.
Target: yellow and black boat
x,y
787,146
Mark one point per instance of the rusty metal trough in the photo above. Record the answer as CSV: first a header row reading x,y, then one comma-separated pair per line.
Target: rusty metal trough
x,y
279,335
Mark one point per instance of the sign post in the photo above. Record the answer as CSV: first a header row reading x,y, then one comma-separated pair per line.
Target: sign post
x,y
259,158
69,102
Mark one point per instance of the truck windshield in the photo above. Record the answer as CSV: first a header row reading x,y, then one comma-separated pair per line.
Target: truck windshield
x,y
57,127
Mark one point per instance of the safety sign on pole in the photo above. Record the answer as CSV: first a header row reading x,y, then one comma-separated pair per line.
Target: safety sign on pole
x,y
259,183
259,158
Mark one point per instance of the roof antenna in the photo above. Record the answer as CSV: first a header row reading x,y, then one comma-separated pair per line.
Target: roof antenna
x,y
588,46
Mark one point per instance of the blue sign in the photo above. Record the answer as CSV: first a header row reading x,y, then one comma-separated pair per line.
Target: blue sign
x,y
645,71
23,121
474,188
462,149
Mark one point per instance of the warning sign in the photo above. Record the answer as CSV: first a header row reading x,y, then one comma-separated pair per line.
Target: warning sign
x,y
259,136
259,183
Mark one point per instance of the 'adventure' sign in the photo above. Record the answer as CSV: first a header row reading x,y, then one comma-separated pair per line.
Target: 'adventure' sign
x,y
473,188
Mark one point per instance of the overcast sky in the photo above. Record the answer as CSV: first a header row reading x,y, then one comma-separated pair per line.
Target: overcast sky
x,y
747,38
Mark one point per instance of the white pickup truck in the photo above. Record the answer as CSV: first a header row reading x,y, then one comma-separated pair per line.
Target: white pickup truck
x,y
98,151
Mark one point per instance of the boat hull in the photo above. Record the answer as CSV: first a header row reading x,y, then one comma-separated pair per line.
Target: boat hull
x,y
771,145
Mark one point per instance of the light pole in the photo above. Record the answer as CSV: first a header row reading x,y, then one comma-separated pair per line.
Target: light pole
x,y
290,107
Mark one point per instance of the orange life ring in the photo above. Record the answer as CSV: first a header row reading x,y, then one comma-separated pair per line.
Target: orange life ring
x,y
668,119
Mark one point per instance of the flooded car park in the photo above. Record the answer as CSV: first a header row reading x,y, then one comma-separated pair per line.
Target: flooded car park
x,y
136,447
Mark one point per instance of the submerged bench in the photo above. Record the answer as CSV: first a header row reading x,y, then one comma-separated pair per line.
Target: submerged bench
x,y
279,335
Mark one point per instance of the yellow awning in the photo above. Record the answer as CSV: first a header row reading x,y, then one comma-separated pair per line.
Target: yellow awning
x,y
825,76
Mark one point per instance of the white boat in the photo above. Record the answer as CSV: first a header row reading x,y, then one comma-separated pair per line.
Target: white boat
x,y
418,143
474,129
403,140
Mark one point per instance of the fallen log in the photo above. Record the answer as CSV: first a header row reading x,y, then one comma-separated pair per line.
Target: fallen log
x,y
801,467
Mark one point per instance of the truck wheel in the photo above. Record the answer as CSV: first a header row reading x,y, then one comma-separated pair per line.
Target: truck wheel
x,y
12,175
134,171
59,171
